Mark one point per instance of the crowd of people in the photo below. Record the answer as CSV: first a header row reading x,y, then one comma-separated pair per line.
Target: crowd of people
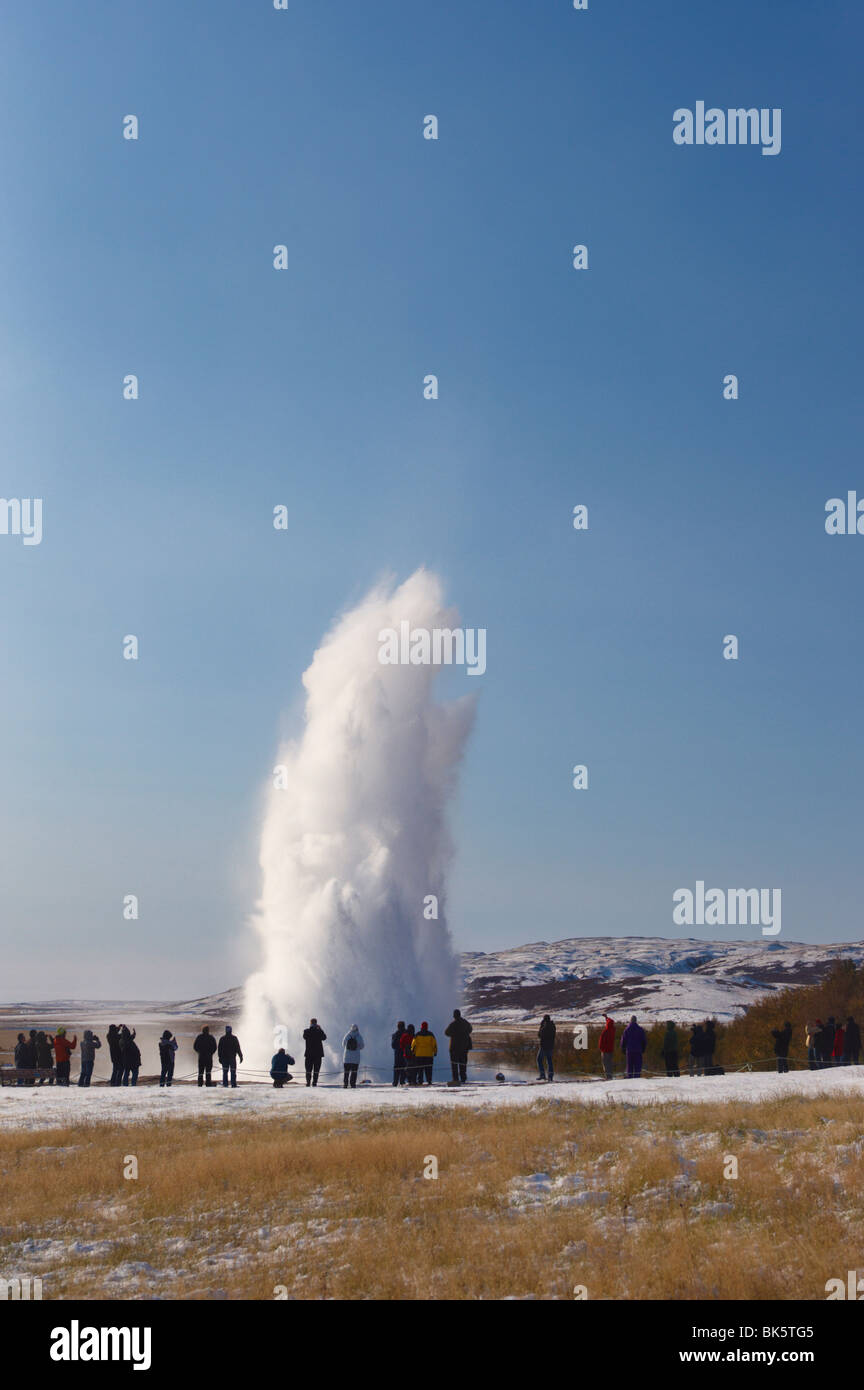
x,y
46,1052
828,1044
48,1056
414,1052
698,1050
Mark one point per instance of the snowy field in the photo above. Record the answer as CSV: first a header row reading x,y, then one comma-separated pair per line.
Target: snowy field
x,y
31,1108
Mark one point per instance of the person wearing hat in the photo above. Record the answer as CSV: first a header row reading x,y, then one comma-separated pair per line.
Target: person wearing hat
x,y
826,1042
425,1049
279,1065
167,1051
412,1066
314,1037
131,1057
89,1044
205,1046
399,1077
229,1055
115,1050
459,1033
546,1038
352,1046
633,1044
607,1048
45,1055
63,1050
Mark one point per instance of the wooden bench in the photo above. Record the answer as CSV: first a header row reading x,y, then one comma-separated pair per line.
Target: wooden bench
x,y
12,1075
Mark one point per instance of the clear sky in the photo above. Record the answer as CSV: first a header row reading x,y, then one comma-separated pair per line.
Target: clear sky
x,y
304,387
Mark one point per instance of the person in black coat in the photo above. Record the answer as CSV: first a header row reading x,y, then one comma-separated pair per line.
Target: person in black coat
x,y
205,1046
851,1043
782,1037
669,1049
21,1054
26,1050
709,1045
130,1057
314,1038
546,1035
115,1050
459,1033
229,1055
826,1044
44,1055
412,1063
697,1049
399,1077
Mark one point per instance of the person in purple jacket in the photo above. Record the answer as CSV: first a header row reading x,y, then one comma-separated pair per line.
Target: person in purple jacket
x,y
633,1042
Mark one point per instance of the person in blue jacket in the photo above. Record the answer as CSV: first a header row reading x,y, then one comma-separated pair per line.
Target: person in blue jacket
x,y
167,1050
279,1065
89,1044
633,1043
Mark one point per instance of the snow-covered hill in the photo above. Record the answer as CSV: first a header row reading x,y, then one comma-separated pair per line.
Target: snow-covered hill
x,y
575,980
651,976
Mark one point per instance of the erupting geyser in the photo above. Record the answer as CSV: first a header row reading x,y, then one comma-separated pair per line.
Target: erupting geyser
x,y
355,842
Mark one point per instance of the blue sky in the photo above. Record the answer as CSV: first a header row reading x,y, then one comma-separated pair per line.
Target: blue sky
x,y
304,387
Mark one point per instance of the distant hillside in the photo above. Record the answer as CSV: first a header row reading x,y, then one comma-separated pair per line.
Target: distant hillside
x,y
650,976
745,1041
576,980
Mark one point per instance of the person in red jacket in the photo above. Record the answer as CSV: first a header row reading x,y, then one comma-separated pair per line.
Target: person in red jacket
x,y
839,1045
63,1050
607,1047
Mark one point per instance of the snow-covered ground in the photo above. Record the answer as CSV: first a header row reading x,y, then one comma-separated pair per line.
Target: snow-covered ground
x,y
30,1108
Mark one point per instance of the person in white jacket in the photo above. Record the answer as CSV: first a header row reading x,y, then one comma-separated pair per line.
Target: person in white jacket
x,y
352,1046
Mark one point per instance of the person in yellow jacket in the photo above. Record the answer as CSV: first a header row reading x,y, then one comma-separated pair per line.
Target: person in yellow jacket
x,y
425,1049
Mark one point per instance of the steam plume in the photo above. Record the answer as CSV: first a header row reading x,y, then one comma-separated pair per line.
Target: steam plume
x,y
357,840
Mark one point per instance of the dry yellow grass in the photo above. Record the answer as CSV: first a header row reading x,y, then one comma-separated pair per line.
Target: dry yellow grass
x,y
340,1208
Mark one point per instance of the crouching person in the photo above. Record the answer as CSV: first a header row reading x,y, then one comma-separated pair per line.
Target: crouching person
x,y
279,1068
